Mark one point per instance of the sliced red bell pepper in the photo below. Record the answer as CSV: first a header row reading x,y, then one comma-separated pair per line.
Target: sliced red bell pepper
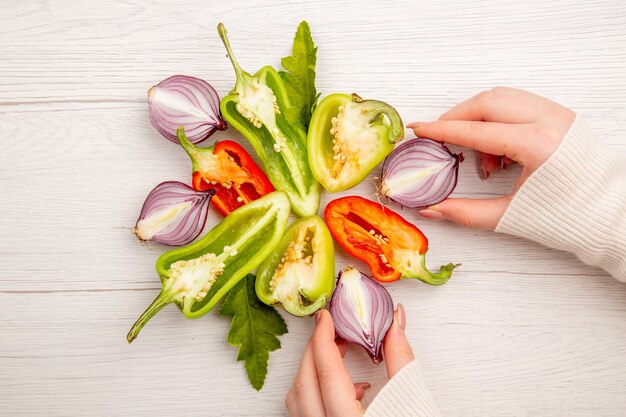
x,y
392,247
230,170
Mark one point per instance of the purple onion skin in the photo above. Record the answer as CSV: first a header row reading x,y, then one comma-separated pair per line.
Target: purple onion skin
x,y
413,155
378,307
197,108
185,226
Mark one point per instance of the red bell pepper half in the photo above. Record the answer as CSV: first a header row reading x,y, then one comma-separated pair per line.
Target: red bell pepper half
x,y
392,247
230,170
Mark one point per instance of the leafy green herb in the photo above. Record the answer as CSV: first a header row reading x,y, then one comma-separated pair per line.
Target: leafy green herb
x,y
254,329
300,76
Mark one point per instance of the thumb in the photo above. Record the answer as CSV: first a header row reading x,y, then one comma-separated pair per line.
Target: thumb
x,y
396,347
480,214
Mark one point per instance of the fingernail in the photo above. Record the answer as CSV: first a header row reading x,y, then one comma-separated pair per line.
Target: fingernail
x,y
364,385
401,316
483,172
431,214
415,125
318,314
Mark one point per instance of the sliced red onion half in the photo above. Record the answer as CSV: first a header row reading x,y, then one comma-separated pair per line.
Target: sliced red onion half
x,y
419,173
185,101
173,214
362,310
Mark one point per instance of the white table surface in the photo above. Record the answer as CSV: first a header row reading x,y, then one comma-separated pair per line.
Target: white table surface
x,y
520,330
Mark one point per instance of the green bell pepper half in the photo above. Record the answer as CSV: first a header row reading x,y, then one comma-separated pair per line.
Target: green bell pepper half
x,y
256,107
197,276
300,272
348,137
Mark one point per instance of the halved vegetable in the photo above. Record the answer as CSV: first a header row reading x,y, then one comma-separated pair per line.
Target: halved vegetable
x,y
362,310
348,137
173,214
300,273
227,168
419,173
392,247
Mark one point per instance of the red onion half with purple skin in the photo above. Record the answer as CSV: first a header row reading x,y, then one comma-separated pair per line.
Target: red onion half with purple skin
x,y
185,101
419,173
173,214
362,311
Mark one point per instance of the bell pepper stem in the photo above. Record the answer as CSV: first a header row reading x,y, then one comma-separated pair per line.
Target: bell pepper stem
x,y
161,301
239,72
375,109
439,278
422,273
191,149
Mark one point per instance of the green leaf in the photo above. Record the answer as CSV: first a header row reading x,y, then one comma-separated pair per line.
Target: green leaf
x,y
254,329
300,77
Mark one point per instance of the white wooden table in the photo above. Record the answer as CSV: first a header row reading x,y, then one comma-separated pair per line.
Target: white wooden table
x,y
519,331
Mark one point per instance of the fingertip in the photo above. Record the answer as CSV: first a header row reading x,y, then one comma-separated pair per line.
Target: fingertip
x,y
431,214
396,347
414,125
360,388
473,213
324,327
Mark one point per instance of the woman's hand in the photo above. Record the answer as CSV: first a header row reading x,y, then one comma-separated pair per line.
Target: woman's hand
x,y
504,125
323,387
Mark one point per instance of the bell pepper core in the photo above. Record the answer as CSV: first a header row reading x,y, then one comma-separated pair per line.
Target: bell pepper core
x,y
392,247
348,137
256,107
197,276
227,168
300,273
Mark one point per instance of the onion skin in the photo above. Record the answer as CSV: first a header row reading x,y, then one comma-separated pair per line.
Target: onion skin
x,y
419,173
173,214
185,101
362,311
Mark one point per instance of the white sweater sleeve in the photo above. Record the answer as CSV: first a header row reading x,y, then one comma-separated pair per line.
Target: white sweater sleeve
x,y
576,202
405,395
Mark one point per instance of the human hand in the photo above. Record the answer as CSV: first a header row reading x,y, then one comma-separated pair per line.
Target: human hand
x,y
505,125
323,387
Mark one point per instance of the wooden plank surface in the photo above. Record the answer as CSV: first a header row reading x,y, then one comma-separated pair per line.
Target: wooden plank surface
x,y
521,330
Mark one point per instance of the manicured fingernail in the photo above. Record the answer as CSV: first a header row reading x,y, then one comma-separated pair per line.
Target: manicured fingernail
x,y
483,172
318,314
431,214
415,125
401,316
364,385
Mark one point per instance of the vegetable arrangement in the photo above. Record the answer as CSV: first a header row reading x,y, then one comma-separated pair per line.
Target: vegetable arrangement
x,y
303,146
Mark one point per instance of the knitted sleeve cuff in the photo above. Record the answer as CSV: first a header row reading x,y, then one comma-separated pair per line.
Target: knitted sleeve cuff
x,y
405,395
576,201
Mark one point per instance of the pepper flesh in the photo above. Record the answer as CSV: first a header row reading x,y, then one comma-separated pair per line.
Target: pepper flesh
x,y
256,107
348,137
197,276
227,168
300,273
392,247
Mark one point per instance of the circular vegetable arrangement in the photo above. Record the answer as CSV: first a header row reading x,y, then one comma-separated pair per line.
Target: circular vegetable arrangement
x,y
346,137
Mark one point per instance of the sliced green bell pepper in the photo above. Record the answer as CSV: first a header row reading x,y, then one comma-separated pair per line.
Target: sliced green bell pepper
x,y
197,276
256,107
300,273
348,137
